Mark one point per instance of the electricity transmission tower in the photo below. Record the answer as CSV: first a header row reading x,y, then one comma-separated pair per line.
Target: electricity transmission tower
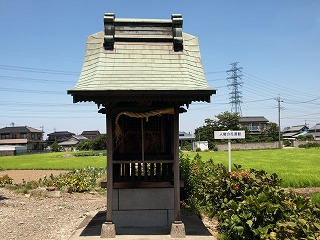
x,y
235,84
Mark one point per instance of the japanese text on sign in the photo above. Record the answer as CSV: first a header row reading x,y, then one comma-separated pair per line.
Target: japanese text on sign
x,y
229,134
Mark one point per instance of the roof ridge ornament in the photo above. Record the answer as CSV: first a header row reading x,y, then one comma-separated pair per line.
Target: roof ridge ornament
x,y
109,31
177,22
143,30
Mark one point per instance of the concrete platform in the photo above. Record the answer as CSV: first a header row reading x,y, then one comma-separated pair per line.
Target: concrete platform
x,y
90,229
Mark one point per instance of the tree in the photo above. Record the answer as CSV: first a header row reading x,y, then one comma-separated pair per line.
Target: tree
x,y
55,147
85,145
100,143
273,131
225,121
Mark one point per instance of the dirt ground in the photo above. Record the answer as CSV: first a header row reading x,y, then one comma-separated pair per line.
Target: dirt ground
x,y
28,217
28,175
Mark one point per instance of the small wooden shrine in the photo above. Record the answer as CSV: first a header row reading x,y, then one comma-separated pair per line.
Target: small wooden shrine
x,y
142,73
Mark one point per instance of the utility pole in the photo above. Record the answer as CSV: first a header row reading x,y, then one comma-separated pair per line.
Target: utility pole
x,y
279,112
235,84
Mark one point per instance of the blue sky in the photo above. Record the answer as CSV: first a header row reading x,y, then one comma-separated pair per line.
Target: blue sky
x,y
42,47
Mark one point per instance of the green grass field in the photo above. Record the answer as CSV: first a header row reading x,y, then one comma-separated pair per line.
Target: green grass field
x,y
297,167
57,161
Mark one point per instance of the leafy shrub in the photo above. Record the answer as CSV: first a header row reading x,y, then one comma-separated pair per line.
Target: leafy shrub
x,y
316,198
198,149
90,153
185,174
305,137
186,146
5,180
30,185
309,145
249,204
85,145
80,180
55,147
99,143
287,143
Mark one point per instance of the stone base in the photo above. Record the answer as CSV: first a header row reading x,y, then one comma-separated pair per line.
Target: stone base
x,y
143,207
108,230
178,230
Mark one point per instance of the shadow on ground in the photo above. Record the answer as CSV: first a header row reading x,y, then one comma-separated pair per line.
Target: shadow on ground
x,y
193,226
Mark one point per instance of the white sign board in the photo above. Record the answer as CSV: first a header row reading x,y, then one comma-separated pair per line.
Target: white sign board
x,y
229,134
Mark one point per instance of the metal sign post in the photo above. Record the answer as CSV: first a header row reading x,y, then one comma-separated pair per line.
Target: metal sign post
x,y
229,135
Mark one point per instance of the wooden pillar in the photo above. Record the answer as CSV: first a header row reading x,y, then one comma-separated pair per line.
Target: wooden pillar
x,y
177,227
176,168
109,167
108,229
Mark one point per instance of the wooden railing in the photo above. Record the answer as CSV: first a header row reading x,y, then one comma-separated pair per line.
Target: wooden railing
x,y
139,171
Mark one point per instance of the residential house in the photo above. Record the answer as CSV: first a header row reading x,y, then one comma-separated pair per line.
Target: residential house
x,y
254,124
294,131
23,136
72,142
59,136
185,140
183,136
91,134
315,131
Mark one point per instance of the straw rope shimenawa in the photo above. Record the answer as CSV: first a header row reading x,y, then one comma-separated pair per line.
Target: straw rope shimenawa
x,y
118,130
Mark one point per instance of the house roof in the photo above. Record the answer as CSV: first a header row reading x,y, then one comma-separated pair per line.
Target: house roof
x,y
78,138
20,129
315,127
289,134
296,129
61,133
95,132
69,143
143,60
252,119
186,136
13,141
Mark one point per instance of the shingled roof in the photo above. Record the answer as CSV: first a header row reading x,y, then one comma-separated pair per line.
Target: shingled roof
x,y
253,119
20,129
142,57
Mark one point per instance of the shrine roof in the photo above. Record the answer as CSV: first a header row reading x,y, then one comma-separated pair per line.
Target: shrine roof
x,y
141,57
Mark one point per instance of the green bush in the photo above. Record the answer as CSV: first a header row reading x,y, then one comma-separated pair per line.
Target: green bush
x,y
186,146
90,153
305,137
5,180
80,180
315,198
99,143
55,147
309,145
249,204
85,145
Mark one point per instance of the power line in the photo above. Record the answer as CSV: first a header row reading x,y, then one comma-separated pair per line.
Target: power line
x,y
215,72
31,91
37,70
